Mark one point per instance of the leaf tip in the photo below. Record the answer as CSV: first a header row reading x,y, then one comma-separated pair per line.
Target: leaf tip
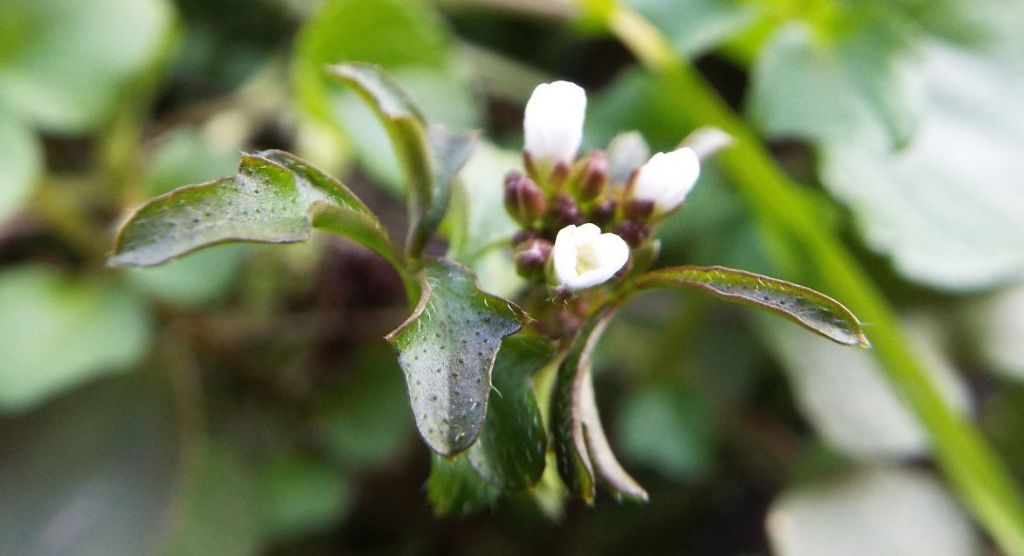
x,y
637,496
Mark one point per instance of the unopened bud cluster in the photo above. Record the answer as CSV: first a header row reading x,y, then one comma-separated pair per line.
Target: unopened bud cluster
x,y
579,225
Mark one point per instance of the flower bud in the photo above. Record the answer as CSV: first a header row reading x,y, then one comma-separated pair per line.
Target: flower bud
x,y
639,209
603,212
594,177
633,232
524,200
531,258
666,179
553,123
524,235
558,175
564,211
584,257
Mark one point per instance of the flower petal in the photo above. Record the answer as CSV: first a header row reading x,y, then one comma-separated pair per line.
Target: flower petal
x,y
667,179
553,122
600,255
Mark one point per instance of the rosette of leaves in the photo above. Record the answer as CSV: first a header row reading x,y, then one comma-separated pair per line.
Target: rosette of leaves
x,y
460,343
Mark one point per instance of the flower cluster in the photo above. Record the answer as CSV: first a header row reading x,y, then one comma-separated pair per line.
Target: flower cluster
x,y
580,224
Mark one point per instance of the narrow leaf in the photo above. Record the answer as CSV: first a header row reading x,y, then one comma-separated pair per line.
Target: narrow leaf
x,y
449,152
403,121
275,198
581,447
609,471
512,445
813,310
429,161
574,465
447,348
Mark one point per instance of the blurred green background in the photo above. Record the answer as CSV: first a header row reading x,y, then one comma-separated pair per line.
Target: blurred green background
x,y
242,400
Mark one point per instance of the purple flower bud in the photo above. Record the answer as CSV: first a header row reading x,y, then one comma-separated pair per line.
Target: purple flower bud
x,y
603,212
564,211
531,257
594,178
523,199
559,174
639,209
633,232
524,235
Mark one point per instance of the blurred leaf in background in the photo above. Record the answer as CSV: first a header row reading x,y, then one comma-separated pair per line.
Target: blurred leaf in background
x,y
697,26
871,511
23,165
63,64
402,36
61,332
947,207
844,393
860,86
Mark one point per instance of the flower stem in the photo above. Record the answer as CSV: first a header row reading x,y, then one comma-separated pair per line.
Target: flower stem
x,y
966,458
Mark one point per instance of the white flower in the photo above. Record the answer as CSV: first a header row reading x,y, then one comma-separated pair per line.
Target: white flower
x,y
553,123
667,178
584,257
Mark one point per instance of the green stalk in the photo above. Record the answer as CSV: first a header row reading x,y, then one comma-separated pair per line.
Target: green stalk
x,y
965,457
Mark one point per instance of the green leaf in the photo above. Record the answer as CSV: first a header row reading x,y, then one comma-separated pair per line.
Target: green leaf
x,y
346,215
512,445
390,33
184,155
429,160
696,26
443,100
449,152
581,448
275,198
862,86
947,208
58,333
412,43
187,155
991,26
94,473
813,310
479,228
447,348
23,163
62,64
454,489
